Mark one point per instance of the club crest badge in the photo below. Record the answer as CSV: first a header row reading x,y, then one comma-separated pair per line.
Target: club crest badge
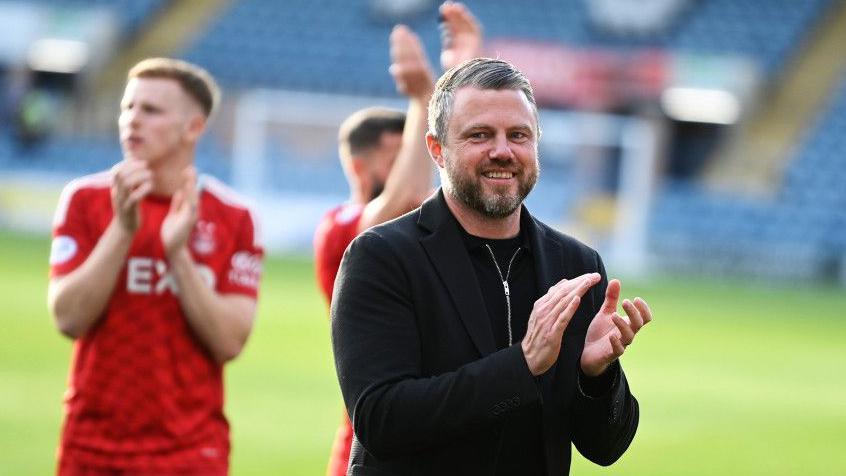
x,y
203,240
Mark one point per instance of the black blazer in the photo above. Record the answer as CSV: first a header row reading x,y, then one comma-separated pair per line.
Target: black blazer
x,y
422,380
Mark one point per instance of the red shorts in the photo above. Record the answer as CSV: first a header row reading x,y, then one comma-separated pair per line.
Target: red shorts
x,y
67,468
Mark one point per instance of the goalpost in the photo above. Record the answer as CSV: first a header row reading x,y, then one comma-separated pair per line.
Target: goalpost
x,y
288,219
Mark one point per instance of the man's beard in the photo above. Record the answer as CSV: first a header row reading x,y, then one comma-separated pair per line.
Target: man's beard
x,y
468,189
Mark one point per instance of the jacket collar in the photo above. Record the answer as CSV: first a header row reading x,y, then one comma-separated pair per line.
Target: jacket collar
x,y
448,254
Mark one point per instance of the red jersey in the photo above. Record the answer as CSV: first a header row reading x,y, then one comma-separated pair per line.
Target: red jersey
x,y
143,393
336,231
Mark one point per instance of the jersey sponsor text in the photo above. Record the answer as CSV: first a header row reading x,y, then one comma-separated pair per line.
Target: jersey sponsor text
x,y
146,275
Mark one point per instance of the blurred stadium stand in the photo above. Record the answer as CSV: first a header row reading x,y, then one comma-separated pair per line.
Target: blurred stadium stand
x,y
257,44
131,16
341,47
799,233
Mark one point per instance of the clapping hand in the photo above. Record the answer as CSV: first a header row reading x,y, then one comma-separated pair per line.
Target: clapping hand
x,y
182,216
461,35
610,333
132,180
549,319
409,66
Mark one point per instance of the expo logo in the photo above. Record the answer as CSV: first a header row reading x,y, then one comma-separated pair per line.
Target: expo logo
x,y
151,276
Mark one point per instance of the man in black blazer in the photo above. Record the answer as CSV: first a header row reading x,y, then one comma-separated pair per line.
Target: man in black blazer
x,y
470,338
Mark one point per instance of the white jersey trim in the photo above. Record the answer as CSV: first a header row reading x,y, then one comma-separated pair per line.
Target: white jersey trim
x,y
98,180
349,212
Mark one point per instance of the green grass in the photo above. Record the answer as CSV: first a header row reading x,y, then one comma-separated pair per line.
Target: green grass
x,y
732,378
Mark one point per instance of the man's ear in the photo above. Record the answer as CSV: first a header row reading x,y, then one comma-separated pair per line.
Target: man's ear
x,y
360,169
435,149
358,165
196,127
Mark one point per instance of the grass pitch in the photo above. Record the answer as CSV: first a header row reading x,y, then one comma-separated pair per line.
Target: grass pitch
x,y
733,378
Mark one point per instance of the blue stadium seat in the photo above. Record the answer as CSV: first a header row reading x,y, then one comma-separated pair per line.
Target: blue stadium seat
x,y
131,15
809,213
244,46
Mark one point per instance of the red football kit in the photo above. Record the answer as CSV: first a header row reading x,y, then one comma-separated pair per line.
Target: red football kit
x,y
144,396
336,231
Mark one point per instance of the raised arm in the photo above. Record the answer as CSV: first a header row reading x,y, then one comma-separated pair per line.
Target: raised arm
x,y
461,35
78,299
410,179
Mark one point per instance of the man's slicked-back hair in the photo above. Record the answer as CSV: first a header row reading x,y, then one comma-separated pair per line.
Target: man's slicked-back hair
x,y
362,131
194,80
480,73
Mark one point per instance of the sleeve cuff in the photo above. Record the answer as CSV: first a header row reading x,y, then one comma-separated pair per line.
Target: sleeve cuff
x,y
601,385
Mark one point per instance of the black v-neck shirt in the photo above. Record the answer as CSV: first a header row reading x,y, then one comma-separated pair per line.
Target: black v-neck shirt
x,y
515,260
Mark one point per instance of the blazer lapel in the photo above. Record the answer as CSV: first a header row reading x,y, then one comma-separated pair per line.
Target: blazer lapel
x,y
549,257
448,255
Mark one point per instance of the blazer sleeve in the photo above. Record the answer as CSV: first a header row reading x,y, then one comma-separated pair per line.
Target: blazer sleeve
x,y
604,425
393,407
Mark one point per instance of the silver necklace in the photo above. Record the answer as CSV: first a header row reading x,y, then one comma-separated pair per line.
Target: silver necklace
x,y
505,284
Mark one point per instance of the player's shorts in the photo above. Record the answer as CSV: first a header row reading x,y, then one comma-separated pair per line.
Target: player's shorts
x,y
70,469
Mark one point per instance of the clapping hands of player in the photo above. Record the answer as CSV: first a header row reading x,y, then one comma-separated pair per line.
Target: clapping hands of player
x,y
461,35
409,66
610,333
182,215
132,180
